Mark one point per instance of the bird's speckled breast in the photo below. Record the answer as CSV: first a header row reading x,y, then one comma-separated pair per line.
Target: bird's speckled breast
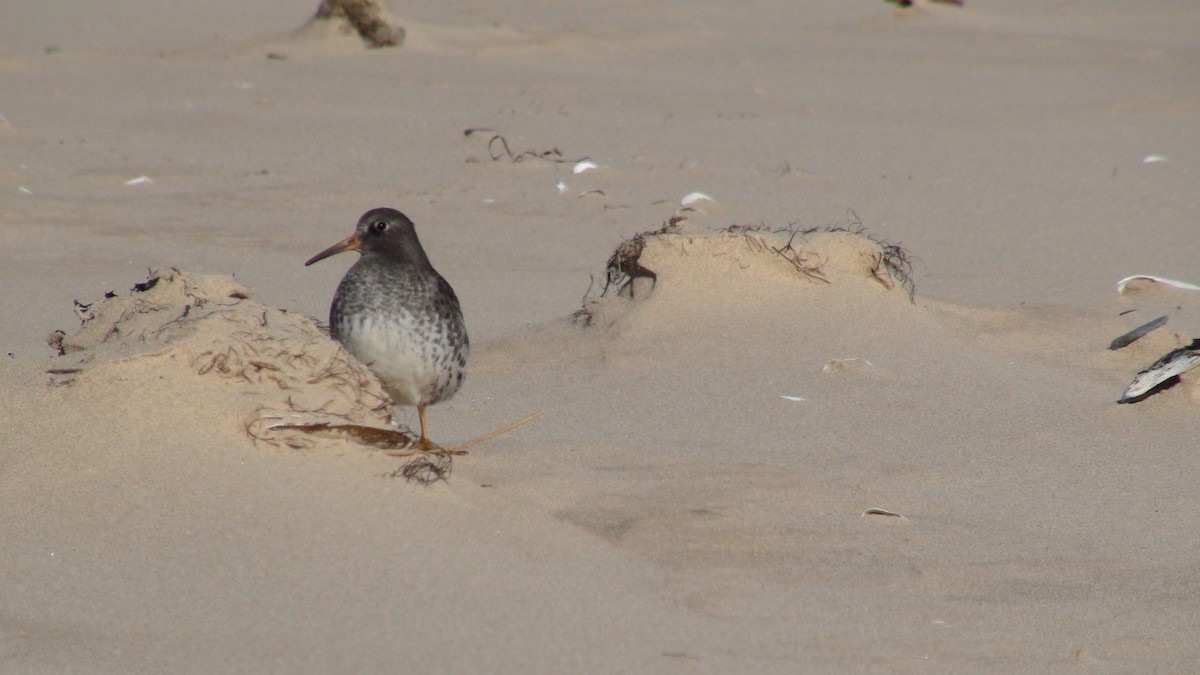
x,y
406,325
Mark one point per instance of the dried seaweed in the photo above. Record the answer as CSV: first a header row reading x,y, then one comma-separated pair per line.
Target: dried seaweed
x,y
498,149
624,264
891,265
426,469
799,259
150,282
384,439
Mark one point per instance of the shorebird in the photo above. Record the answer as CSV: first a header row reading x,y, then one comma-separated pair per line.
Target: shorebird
x,y
397,315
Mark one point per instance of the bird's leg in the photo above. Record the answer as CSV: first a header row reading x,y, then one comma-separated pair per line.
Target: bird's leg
x,y
426,445
423,443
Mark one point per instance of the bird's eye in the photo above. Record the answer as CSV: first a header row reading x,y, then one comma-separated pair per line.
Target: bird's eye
x,y
379,227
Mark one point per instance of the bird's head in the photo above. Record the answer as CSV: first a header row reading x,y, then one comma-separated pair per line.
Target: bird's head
x,y
380,231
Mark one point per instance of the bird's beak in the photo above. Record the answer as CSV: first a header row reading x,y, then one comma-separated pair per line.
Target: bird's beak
x,y
351,243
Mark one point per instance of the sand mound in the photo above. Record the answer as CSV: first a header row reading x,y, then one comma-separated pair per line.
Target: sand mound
x,y
368,18
677,272
716,298
273,374
365,21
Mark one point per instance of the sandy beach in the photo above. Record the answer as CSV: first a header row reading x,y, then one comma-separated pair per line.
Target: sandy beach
x,y
847,406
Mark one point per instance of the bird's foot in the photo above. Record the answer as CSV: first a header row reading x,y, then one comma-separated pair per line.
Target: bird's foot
x,y
427,447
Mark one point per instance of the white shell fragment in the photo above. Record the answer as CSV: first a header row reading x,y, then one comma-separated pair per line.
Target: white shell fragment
x,y
561,185
1175,363
140,180
694,198
25,190
1151,159
791,398
1157,280
585,165
846,365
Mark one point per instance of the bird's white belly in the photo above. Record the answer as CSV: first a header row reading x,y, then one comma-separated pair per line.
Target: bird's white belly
x,y
392,351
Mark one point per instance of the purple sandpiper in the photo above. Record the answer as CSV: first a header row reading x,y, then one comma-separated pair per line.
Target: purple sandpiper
x,y
397,315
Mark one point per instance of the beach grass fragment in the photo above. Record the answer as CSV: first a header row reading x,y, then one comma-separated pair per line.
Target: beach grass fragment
x,y
882,512
1137,333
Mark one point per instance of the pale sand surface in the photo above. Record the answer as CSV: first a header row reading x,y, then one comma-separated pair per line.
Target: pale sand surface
x,y
669,512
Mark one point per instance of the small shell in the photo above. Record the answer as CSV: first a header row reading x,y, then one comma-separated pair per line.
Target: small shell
x,y
852,364
1158,280
695,197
